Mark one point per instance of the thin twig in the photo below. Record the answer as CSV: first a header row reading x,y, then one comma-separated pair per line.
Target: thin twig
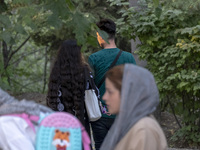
x,y
173,111
22,56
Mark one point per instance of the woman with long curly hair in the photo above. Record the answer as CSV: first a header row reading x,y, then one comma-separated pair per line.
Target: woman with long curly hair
x,y
67,82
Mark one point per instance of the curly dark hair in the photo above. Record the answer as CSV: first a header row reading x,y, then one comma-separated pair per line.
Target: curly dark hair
x,y
68,76
108,26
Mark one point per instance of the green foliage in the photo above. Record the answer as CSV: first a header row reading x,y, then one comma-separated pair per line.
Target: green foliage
x,y
47,23
156,3
25,71
44,20
170,42
81,24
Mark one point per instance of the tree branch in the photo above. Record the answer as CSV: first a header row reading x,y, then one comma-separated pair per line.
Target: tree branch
x,y
15,51
22,56
173,111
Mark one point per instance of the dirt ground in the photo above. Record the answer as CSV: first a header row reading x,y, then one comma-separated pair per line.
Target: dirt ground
x,y
167,121
169,126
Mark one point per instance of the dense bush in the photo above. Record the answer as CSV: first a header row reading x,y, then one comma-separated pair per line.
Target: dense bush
x,y
170,42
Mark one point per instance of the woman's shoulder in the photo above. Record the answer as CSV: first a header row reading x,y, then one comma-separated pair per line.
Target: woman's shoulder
x,y
148,126
146,123
145,133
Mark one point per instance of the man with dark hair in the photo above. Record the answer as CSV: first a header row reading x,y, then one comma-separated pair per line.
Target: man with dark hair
x,y
100,62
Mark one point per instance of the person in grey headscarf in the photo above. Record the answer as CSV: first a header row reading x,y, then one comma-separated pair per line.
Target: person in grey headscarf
x,y
132,94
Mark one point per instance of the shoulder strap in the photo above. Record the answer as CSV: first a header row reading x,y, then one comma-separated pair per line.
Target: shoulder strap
x,y
112,65
90,84
86,72
116,58
27,118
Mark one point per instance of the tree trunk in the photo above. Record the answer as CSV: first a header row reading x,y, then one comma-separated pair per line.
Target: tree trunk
x,y
45,70
5,54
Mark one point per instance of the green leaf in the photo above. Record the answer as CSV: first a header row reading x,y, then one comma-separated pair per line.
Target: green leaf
x,y
20,29
54,21
186,30
125,3
5,21
6,36
80,26
158,12
182,84
196,87
70,5
156,3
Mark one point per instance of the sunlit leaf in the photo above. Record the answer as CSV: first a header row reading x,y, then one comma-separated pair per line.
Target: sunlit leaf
x,y
70,5
103,34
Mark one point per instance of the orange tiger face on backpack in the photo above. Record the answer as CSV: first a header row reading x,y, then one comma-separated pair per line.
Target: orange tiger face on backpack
x,y
61,140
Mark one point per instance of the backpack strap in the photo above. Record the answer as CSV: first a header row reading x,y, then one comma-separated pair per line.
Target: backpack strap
x,y
112,65
85,138
27,118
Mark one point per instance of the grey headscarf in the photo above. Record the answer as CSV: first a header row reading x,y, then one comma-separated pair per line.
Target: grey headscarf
x,y
139,98
9,105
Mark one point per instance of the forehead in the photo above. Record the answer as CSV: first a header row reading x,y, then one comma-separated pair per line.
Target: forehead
x,y
109,84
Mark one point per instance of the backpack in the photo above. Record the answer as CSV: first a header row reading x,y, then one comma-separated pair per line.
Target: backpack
x,y
17,132
55,131
18,122
61,131
26,125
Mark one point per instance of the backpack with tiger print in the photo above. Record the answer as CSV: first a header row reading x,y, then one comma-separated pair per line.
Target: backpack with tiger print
x,y
61,131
